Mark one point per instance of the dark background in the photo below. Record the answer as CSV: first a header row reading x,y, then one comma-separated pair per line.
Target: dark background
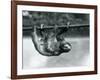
x,y
78,27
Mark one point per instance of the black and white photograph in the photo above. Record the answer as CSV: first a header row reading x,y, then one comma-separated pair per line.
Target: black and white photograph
x,y
55,39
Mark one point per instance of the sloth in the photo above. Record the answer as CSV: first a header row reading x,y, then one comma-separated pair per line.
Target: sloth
x,y
50,41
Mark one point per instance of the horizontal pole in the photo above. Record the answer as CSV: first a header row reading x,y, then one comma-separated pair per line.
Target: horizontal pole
x,y
63,26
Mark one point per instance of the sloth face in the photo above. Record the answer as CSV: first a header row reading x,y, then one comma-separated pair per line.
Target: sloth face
x,y
50,41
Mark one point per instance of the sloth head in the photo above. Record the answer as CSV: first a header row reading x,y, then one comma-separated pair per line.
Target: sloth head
x,y
50,41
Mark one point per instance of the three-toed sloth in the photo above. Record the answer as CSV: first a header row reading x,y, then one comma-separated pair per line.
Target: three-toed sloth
x,y
50,41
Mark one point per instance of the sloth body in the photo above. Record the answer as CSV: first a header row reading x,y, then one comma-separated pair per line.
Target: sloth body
x,y
50,42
